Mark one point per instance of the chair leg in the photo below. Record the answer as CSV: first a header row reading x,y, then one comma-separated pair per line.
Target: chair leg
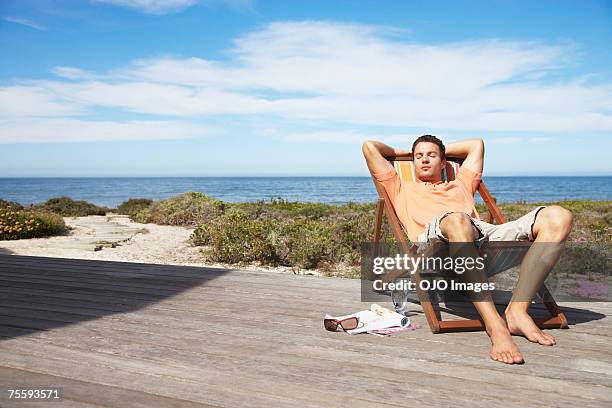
x,y
553,308
380,207
430,313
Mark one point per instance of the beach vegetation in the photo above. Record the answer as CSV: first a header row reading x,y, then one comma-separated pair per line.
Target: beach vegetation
x,y
188,209
11,205
67,207
294,234
133,206
234,238
29,223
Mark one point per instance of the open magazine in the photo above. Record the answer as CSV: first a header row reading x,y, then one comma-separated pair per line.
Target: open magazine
x,y
377,320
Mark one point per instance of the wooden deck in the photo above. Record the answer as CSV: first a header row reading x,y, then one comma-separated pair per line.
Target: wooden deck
x,y
126,334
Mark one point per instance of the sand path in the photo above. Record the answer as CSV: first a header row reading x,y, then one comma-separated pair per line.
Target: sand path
x,y
93,237
117,238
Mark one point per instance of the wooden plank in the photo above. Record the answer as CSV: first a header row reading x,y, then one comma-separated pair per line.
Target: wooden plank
x,y
106,330
197,381
213,317
305,372
220,310
256,337
85,394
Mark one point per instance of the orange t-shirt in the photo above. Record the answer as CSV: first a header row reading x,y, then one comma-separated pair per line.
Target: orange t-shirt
x,y
417,203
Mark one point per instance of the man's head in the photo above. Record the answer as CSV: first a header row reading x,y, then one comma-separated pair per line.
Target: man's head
x,y
429,157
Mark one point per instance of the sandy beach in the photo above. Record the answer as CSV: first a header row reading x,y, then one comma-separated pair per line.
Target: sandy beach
x,y
134,242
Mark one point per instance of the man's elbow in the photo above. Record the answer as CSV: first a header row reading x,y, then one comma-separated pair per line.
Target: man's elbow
x,y
479,145
368,147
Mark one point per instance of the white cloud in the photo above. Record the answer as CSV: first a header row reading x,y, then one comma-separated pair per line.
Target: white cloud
x,y
152,6
323,74
42,130
23,101
25,22
156,98
72,73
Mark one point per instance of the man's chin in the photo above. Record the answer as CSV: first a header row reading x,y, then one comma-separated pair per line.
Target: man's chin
x,y
425,177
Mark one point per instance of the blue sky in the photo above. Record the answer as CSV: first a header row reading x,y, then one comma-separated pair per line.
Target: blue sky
x,y
238,87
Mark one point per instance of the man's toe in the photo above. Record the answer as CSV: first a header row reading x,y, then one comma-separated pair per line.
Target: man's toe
x,y
507,358
538,337
518,358
543,339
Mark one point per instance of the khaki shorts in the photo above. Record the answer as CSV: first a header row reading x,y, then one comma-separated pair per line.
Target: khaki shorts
x,y
518,230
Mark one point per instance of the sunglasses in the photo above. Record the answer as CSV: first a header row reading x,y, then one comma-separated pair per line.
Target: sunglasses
x,y
345,324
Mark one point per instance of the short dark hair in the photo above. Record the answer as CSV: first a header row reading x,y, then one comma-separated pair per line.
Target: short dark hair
x,y
430,139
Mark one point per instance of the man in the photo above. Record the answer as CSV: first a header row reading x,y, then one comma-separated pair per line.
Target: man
x,y
432,209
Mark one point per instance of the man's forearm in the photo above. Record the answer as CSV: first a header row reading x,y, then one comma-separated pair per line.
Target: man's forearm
x,y
471,150
386,150
462,148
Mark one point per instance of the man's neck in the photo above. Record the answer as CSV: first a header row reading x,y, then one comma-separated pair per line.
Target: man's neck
x,y
439,180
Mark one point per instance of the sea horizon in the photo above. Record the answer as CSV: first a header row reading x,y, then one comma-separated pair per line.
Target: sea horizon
x,y
112,191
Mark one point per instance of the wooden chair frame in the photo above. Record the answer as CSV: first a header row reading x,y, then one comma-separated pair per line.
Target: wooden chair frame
x,y
556,320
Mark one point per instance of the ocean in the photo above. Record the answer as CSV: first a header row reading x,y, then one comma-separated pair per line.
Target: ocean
x,y
111,191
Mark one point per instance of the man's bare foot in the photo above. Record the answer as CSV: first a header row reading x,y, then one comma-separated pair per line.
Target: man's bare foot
x,y
503,348
521,324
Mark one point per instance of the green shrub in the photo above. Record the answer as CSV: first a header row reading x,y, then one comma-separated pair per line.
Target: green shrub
x,y
133,206
348,235
188,209
30,223
143,215
10,205
202,235
305,235
67,207
234,238
280,209
308,243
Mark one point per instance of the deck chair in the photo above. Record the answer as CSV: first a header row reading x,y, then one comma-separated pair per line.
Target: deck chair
x,y
405,170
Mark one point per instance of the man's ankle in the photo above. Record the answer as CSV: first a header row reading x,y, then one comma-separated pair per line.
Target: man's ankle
x,y
517,308
496,326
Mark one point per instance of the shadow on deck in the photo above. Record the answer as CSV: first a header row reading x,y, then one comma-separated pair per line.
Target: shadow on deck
x,y
40,293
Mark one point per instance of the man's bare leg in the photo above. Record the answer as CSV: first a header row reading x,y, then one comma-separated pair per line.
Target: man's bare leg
x,y
458,228
552,226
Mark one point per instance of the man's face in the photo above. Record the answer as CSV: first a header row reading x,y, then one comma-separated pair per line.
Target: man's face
x,y
428,162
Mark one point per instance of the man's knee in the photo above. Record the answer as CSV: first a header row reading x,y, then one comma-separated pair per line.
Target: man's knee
x,y
556,220
459,225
